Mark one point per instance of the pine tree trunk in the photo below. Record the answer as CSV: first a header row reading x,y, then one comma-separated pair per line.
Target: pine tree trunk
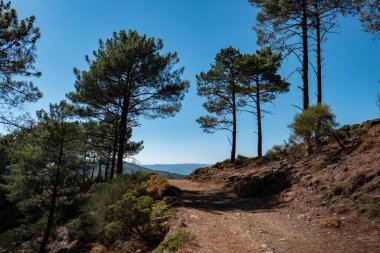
x,y
84,175
233,149
53,202
122,135
305,56
92,172
107,165
51,215
99,177
319,57
258,115
114,149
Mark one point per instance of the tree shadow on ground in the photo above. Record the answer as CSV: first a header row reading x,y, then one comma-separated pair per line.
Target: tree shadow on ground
x,y
220,201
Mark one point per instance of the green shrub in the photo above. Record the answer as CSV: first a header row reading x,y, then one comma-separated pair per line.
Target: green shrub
x,y
336,189
123,215
173,242
223,164
273,152
241,160
137,217
13,238
156,186
359,132
374,211
315,123
96,211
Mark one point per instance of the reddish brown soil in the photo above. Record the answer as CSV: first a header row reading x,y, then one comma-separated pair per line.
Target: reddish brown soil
x,y
223,222
289,202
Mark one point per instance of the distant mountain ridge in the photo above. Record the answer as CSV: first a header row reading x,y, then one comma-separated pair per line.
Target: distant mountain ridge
x,y
131,167
183,169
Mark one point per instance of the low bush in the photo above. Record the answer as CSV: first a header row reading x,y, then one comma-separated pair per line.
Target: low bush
x,y
137,217
240,160
359,132
93,220
330,222
156,186
174,242
13,238
374,210
274,151
336,189
316,123
125,213
224,164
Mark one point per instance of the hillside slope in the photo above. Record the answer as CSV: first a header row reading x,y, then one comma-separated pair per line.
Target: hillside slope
x,y
131,167
330,194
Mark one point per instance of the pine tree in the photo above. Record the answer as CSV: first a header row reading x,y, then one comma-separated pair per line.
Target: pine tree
x,y
99,137
45,160
369,15
221,87
61,148
284,25
129,77
323,20
17,57
261,84
316,122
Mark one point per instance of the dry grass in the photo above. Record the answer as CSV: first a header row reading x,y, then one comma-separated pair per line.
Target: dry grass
x,y
330,222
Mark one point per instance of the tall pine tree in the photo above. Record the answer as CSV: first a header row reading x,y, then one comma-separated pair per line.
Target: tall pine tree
x,y
131,77
221,87
284,25
261,85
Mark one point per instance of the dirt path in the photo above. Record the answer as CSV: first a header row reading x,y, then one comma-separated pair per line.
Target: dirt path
x,y
222,222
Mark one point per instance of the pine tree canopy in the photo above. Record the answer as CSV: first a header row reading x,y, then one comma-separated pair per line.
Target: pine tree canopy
x,y
17,57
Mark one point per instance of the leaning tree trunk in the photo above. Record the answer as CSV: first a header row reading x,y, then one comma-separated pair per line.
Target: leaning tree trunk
x,y
122,135
305,57
258,115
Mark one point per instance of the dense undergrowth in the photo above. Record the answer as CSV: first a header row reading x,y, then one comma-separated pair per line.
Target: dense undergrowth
x,y
123,215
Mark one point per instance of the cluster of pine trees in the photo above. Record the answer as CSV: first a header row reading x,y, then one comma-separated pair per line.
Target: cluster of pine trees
x,y
242,83
46,161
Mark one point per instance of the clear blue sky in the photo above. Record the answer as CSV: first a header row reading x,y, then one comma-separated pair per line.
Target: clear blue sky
x,y
197,30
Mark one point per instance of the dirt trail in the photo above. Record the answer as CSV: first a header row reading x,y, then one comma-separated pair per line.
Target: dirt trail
x,y
222,222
